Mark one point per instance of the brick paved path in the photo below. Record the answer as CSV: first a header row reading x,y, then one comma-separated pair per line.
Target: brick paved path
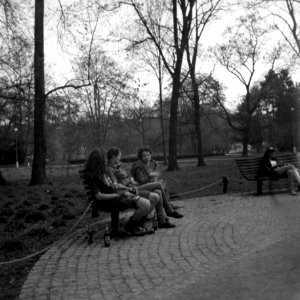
x,y
217,233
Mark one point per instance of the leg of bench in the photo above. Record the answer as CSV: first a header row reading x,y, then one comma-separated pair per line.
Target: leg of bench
x,y
259,187
95,211
115,222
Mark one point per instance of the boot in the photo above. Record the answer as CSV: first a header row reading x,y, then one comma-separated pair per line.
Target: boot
x,y
134,228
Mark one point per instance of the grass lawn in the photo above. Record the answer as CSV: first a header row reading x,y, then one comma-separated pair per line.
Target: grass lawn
x,y
34,217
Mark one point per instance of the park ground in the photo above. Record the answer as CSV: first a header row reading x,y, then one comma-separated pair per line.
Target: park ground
x,y
33,218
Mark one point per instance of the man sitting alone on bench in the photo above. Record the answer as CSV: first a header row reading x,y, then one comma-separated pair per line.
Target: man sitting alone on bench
x,y
270,166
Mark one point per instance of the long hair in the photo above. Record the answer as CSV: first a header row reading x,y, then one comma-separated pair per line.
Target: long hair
x,y
95,162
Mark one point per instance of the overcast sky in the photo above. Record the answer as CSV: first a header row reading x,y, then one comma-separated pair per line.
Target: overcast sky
x,y
60,64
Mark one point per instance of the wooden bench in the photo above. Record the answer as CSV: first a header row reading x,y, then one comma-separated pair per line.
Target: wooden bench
x,y
96,206
249,168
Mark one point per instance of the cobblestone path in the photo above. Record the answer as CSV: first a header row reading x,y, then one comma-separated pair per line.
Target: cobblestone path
x,y
216,231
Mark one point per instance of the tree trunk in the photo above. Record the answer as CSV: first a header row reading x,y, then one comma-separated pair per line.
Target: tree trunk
x,y
198,128
161,111
245,142
172,166
38,175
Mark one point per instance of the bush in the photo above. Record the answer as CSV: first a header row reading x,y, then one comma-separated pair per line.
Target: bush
x,y
34,216
43,206
13,246
7,204
58,223
7,212
14,226
54,199
22,213
70,203
68,216
26,203
3,219
59,210
40,232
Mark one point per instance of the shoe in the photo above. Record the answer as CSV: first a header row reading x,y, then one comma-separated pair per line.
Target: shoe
x,y
166,225
175,214
149,230
138,231
133,228
293,192
175,206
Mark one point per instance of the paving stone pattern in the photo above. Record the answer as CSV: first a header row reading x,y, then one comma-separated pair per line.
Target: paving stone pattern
x,y
215,231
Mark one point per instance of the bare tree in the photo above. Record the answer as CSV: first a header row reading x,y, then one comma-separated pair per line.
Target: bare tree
x,y
240,56
285,16
205,12
182,16
105,95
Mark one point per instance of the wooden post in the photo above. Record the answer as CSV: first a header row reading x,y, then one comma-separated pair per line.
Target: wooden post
x,y
225,184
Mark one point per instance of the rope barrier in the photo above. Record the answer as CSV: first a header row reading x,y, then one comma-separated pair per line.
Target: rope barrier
x,y
79,220
197,190
47,248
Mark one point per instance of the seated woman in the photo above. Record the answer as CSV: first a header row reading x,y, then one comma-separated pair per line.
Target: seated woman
x,y
107,195
145,172
270,166
120,177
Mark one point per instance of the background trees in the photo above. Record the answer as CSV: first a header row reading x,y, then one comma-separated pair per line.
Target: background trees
x,y
102,98
240,55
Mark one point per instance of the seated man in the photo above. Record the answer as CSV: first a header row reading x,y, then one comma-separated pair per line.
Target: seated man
x,y
119,175
145,172
270,166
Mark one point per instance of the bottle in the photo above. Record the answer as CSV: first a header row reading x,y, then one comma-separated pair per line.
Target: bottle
x,y
155,222
106,236
90,233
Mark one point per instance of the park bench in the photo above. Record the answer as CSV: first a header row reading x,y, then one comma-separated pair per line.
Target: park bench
x,y
114,211
249,168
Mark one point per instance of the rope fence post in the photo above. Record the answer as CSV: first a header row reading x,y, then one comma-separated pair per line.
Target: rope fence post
x,y
225,184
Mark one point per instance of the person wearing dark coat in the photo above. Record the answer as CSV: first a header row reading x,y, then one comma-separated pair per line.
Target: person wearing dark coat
x,y
270,166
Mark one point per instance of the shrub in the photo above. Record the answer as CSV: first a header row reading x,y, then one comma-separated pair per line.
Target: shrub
x,y
59,210
68,195
13,246
54,199
7,212
22,213
3,219
58,223
40,232
43,206
7,204
70,203
26,203
68,216
14,226
34,216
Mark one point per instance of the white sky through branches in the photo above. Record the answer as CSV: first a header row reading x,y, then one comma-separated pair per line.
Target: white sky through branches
x,y
59,65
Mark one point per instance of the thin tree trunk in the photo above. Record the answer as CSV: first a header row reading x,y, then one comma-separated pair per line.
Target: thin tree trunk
x,y
161,110
38,175
198,128
172,166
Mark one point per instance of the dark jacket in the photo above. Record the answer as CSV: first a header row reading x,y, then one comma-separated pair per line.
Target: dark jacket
x,y
266,167
141,172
